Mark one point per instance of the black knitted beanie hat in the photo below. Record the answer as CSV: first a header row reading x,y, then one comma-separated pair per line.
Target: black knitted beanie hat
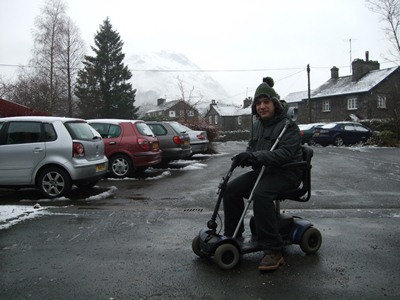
x,y
266,89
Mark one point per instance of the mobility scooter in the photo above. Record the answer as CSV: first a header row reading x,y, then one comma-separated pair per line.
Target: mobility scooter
x,y
226,251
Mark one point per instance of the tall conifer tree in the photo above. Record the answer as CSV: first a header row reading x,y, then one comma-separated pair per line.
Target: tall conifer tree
x,y
103,86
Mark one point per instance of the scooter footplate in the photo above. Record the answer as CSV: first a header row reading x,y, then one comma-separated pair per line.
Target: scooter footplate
x,y
249,247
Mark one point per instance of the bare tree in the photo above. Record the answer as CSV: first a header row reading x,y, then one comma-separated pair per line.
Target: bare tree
x,y
49,26
70,59
389,10
188,97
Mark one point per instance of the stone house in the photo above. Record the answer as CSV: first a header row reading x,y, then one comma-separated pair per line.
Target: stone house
x,y
368,93
230,118
177,109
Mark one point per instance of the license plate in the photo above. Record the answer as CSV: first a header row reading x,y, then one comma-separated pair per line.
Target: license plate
x,y
100,167
155,146
186,142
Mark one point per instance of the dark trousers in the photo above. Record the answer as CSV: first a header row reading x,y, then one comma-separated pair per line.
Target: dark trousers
x,y
264,195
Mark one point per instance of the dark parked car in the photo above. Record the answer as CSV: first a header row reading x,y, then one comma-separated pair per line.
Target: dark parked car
x,y
307,132
50,154
174,143
341,133
130,145
198,140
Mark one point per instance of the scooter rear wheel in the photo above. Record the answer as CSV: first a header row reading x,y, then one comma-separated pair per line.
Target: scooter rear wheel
x,y
226,256
311,240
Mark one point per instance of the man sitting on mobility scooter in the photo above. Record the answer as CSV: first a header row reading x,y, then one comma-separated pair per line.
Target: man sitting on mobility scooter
x,y
271,117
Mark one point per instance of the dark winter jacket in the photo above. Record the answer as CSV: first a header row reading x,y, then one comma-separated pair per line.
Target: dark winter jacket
x,y
264,135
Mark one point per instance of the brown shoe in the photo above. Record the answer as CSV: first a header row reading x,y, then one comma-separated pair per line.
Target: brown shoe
x,y
271,261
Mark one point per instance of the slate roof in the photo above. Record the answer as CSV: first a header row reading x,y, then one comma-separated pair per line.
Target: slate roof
x,y
229,111
345,85
296,96
164,107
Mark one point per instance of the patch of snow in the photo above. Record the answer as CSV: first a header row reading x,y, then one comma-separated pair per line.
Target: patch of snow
x,y
13,214
107,194
195,166
164,174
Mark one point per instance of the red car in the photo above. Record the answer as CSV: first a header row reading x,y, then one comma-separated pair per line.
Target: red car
x,y
130,145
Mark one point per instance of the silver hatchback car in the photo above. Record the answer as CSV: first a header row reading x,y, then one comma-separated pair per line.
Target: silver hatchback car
x,y
51,154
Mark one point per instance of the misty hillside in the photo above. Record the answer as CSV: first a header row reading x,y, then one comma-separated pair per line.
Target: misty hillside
x,y
155,76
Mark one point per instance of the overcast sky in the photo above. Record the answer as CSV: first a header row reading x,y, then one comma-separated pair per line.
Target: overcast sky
x,y
242,40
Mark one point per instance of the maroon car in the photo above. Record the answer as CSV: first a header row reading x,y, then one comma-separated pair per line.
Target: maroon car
x,y
130,145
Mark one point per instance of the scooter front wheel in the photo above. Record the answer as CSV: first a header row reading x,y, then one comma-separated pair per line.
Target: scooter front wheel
x,y
196,247
226,256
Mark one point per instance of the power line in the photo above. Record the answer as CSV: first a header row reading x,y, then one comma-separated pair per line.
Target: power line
x,y
187,70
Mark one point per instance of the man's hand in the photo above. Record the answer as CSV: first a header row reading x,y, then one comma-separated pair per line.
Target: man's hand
x,y
244,159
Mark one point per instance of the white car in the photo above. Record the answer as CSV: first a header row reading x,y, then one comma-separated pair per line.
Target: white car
x,y
50,153
198,140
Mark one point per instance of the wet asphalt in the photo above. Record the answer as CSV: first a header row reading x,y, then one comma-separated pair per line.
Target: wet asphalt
x,y
136,243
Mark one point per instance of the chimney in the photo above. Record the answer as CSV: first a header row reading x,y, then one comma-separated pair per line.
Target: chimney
x,y
334,73
212,103
247,102
361,67
160,101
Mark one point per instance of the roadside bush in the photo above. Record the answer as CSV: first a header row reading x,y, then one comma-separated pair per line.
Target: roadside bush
x,y
384,133
239,135
383,138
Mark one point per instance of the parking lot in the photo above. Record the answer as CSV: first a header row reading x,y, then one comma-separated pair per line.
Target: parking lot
x,y
131,238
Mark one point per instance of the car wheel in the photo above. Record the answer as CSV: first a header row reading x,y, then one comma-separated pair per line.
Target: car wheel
x,y
311,142
338,141
54,182
120,166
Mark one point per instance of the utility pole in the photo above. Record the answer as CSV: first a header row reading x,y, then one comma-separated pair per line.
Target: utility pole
x,y
309,95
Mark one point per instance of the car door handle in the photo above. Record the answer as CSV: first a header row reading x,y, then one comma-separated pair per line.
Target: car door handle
x,y
112,143
37,150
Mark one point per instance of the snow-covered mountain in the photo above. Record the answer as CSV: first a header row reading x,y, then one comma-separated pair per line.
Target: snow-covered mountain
x,y
164,74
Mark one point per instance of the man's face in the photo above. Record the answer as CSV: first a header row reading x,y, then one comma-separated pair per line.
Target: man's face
x,y
265,108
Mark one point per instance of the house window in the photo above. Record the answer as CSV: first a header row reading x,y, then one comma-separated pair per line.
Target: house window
x,y
191,113
326,106
239,120
216,119
210,120
352,104
381,101
172,113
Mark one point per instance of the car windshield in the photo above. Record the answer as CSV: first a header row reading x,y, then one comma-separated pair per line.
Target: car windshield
x,y
305,126
144,129
81,131
328,126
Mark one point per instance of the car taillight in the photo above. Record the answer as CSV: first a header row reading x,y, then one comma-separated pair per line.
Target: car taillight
x,y
201,137
144,144
177,140
78,150
301,133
